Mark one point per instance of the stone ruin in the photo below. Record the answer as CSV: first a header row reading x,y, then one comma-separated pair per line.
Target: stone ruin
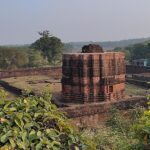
x,y
92,48
93,75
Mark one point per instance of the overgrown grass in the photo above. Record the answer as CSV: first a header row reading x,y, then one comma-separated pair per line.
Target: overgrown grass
x,y
118,133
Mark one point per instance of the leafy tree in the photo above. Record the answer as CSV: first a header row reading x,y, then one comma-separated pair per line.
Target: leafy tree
x,y
20,57
126,51
136,51
50,46
11,58
36,59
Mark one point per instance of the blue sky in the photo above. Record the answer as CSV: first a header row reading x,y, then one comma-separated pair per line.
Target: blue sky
x,y
73,20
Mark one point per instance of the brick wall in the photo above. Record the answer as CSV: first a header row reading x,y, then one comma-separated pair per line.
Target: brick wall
x,y
55,72
93,77
100,108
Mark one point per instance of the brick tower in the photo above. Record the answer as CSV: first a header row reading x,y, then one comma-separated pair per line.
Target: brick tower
x,y
93,75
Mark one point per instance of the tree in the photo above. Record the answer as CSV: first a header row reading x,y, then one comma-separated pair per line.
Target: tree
x,y
36,59
13,58
50,46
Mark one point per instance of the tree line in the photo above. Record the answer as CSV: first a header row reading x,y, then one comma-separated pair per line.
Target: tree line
x,y
137,51
46,51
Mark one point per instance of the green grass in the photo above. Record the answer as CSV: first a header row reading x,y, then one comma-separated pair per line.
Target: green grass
x,y
133,90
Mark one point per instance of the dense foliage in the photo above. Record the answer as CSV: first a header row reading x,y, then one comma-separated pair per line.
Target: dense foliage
x,y
35,123
50,46
47,50
137,51
142,129
20,57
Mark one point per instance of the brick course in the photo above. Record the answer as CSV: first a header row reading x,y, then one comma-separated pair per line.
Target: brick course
x,y
55,72
93,77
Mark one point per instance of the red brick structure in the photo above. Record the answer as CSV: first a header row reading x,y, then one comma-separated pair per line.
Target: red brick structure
x,y
54,72
93,77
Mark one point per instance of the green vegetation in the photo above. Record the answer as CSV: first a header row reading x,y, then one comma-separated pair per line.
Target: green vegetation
x,y
108,45
47,50
119,132
137,51
50,46
35,123
20,57
142,129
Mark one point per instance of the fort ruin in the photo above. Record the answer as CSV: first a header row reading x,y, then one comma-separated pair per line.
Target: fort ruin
x,y
93,76
84,110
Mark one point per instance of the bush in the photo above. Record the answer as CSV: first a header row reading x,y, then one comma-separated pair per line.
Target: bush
x,y
117,134
20,57
142,129
35,123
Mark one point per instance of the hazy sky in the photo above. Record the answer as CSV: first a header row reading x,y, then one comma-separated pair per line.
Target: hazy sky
x,y
73,20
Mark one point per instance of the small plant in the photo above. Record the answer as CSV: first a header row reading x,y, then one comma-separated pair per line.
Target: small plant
x,y
26,92
3,94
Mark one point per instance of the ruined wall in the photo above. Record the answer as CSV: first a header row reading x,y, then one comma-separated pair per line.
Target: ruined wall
x,y
132,69
100,108
93,77
55,72
100,115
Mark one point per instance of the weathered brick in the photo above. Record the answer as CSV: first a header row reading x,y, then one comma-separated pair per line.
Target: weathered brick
x,y
93,77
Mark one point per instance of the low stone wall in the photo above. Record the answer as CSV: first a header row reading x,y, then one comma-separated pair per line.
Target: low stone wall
x,y
50,71
141,77
95,115
144,84
132,69
103,107
57,71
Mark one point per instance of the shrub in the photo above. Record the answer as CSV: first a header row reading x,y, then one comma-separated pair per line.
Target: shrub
x,y
117,134
142,130
35,123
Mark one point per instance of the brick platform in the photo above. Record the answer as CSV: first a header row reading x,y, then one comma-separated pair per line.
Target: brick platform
x,y
93,77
